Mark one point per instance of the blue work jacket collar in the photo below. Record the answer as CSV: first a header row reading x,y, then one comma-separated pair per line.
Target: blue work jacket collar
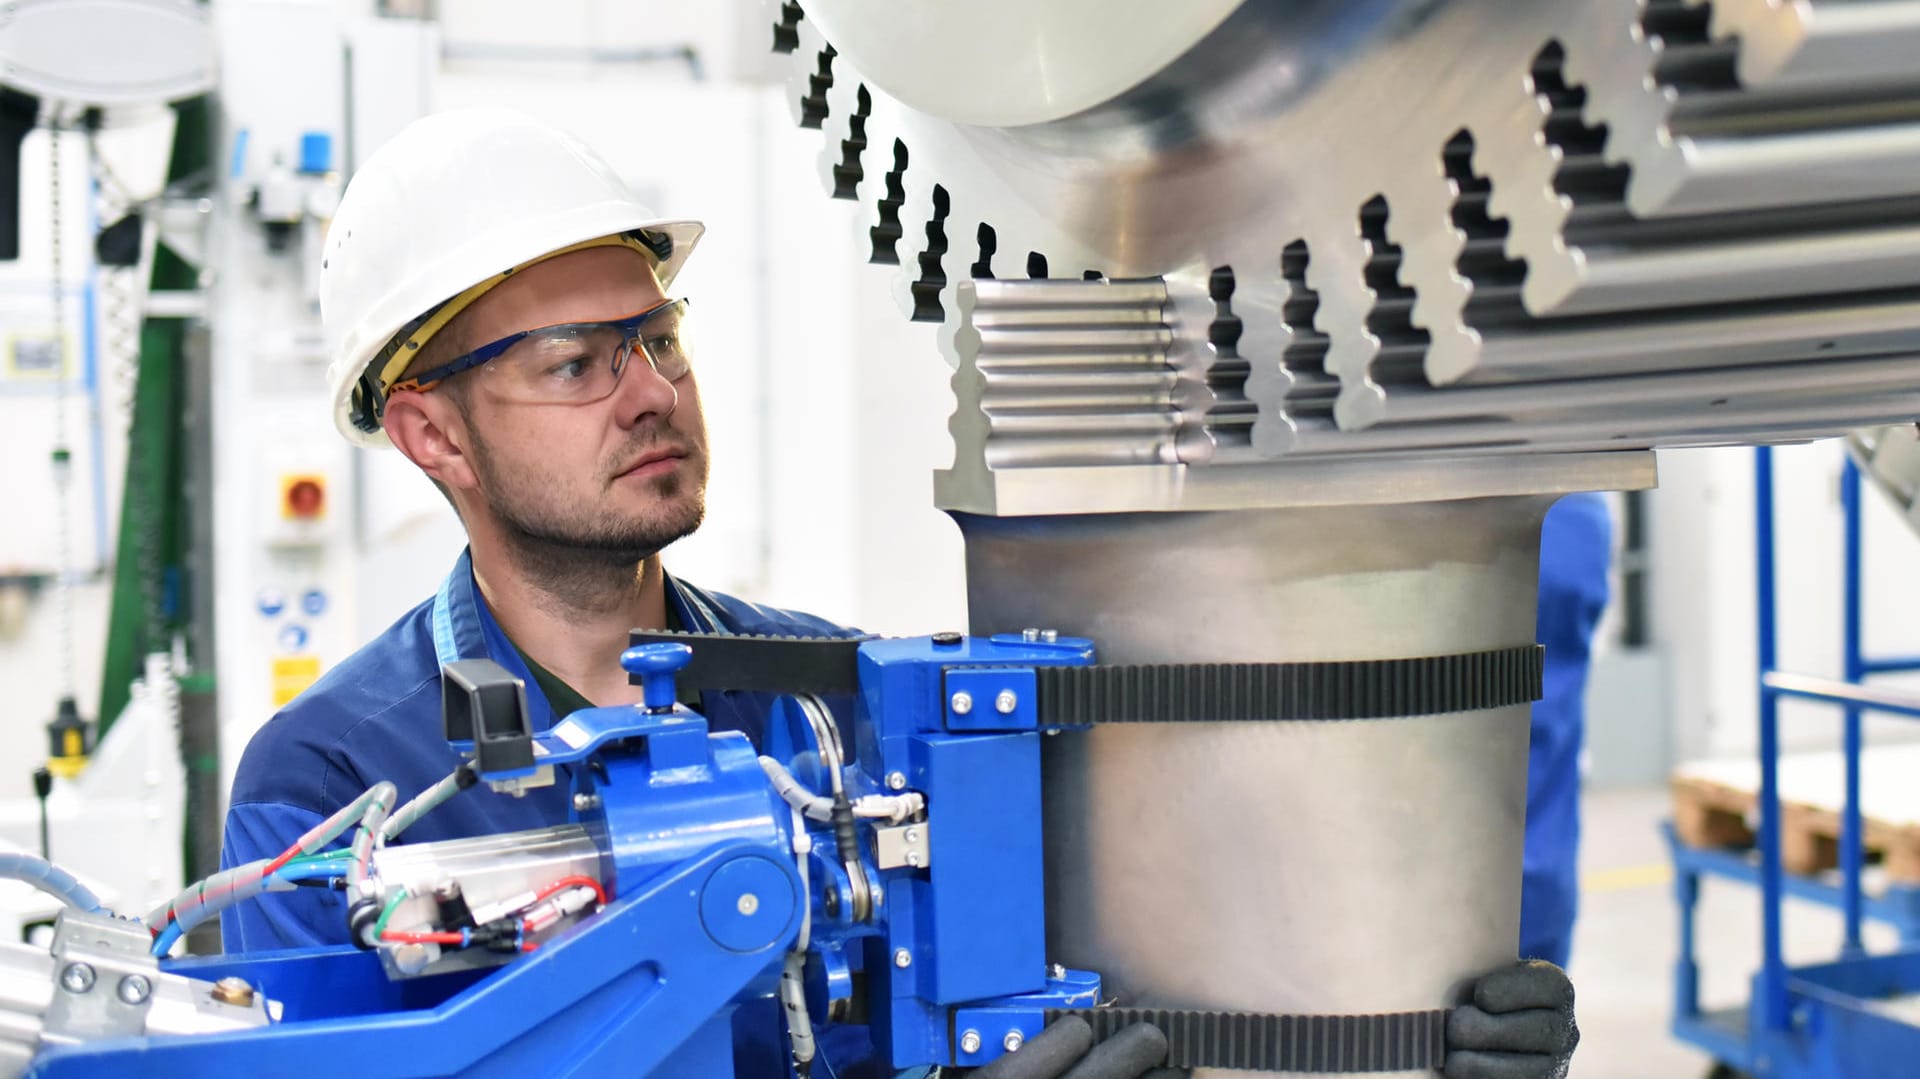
x,y
464,628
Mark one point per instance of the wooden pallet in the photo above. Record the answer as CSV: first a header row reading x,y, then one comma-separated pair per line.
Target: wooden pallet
x,y
1717,805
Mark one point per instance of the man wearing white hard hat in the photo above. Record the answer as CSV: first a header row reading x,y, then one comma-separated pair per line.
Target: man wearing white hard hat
x,y
496,304
498,309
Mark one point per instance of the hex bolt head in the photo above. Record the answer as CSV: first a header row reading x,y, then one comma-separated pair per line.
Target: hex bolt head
x,y
970,1042
962,703
1013,1041
77,978
1006,702
135,989
748,904
234,991
896,781
902,958
585,803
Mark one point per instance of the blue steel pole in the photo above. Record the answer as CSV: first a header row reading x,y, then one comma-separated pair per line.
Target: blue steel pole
x,y
1850,827
1773,974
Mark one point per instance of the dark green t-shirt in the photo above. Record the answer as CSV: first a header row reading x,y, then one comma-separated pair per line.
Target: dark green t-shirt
x,y
563,698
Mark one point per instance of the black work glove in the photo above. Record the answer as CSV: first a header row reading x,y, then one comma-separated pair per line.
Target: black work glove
x,y
1065,1050
1519,1026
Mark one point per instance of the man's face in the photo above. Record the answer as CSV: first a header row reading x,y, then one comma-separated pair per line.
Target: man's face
x,y
623,476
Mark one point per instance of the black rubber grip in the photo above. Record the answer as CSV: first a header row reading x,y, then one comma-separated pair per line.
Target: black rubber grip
x,y
1050,1053
1355,1044
1130,1053
1239,692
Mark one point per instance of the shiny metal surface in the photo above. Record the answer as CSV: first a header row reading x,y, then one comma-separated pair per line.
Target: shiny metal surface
x,y
1890,457
1359,216
489,869
1286,867
97,980
1260,356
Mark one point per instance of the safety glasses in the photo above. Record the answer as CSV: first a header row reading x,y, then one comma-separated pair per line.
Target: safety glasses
x,y
574,362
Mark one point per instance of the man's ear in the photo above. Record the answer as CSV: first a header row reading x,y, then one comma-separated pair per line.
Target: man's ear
x,y
431,433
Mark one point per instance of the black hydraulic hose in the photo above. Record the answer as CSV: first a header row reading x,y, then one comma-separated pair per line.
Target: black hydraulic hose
x,y
1130,1054
1047,1056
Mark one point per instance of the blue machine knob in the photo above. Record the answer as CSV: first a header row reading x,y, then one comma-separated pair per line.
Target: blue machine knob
x,y
655,665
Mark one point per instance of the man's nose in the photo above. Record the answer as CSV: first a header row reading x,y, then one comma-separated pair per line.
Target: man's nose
x,y
642,392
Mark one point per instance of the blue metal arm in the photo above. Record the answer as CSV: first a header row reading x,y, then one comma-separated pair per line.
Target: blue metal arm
x,y
645,988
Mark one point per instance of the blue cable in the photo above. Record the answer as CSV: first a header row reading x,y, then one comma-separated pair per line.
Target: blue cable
x,y
169,936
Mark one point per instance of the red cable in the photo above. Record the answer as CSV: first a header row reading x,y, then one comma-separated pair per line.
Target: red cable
x,y
280,863
402,937
599,893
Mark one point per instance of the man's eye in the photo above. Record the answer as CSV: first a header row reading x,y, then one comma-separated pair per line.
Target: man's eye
x,y
570,369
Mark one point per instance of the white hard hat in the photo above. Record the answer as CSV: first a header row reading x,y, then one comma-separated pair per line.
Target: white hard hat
x,y
452,205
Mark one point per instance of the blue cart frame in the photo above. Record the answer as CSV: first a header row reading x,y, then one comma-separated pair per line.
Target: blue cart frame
x,y
1822,1021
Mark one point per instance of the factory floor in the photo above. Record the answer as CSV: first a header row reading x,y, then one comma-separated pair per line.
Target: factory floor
x,y
1624,945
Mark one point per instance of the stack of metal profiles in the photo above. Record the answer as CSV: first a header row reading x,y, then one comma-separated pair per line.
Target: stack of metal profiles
x,y
1276,325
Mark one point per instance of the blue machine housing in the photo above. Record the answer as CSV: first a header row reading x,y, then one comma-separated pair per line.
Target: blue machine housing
x,y
689,827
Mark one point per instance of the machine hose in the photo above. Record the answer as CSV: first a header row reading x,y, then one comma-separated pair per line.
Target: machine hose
x,y
49,878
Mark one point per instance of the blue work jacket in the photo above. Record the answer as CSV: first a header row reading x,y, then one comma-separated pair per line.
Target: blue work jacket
x,y
377,716
1576,554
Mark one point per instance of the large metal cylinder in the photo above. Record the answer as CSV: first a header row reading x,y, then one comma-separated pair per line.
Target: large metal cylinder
x,y
1285,867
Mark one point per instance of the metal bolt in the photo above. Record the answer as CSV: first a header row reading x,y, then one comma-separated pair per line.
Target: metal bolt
x,y
962,703
1013,1041
585,803
830,902
970,1042
1050,636
1006,702
748,903
877,894
913,835
77,978
135,989
914,859
411,958
234,991
1056,972
1029,635
896,781
902,958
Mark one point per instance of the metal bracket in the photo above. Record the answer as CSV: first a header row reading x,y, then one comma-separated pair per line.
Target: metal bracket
x,y
903,845
103,977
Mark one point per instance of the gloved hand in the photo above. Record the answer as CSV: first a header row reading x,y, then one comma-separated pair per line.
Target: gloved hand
x,y
1065,1050
1519,1026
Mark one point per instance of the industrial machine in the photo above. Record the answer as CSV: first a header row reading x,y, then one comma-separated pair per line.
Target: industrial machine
x,y
1275,329
888,875
1276,326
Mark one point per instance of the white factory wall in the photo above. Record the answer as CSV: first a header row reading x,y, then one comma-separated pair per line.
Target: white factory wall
x,y
1703,605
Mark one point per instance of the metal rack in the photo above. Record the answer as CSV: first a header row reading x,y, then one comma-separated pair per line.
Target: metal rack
x,y
1827,1020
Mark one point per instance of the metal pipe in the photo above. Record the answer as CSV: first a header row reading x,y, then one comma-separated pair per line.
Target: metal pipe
x,y
1835,691
1850,827
1773,972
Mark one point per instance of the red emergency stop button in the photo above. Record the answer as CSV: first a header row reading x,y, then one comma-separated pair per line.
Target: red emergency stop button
x,y
303,498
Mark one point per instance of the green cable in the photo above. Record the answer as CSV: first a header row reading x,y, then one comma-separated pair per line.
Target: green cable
x,y
325,856
380,927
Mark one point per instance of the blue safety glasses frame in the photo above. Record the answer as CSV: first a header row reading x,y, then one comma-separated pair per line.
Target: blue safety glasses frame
x,y
656,331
